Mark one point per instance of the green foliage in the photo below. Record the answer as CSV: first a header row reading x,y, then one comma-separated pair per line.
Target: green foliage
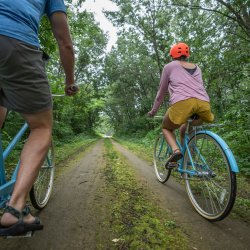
x,y
46,37
12,125
79,114
237,134
128,84
118,88
218,34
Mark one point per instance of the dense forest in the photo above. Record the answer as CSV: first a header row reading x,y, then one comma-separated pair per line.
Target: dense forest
x,y
118,87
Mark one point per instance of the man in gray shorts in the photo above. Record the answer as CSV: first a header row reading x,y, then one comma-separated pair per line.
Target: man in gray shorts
x,y
24,88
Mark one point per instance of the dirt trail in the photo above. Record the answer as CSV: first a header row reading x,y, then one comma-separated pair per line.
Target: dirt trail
x,y
75,212
70,218
229,234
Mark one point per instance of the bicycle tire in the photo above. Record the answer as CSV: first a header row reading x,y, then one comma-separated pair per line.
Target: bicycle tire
x,y
161,153
212,191
42,188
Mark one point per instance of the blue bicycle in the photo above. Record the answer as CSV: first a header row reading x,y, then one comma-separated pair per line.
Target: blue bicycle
x,y
208,169
42,188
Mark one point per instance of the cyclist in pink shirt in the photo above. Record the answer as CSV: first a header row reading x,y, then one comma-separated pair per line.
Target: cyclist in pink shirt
x,y
183,81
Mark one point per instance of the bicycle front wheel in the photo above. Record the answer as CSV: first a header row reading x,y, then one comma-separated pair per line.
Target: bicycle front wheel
x,y
211,186
161,153
42,188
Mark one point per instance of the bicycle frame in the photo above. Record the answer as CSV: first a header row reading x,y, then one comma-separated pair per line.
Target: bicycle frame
x,y
221,142
208,168
183,149
6,187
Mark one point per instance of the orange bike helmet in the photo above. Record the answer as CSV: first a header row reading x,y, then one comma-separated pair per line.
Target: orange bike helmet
x,y
178,50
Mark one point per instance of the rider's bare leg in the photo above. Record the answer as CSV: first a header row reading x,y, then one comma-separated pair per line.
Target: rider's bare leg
x,y
32,156
183,128
168,132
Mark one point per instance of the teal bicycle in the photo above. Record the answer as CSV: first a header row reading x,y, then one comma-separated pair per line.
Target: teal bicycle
x,y
208,168
42,188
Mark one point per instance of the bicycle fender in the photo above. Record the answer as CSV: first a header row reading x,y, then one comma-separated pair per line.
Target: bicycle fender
x,y
225,148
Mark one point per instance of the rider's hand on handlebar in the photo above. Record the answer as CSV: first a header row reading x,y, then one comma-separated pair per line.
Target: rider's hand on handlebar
x,y
71,89
151,114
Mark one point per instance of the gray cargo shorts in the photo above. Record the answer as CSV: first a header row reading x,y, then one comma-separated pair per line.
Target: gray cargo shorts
x,y
23,82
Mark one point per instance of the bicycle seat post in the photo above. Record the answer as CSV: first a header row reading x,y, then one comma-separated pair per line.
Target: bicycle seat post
x,y
188,124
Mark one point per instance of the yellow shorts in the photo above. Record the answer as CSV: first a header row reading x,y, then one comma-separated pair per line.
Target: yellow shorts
x,y
180,111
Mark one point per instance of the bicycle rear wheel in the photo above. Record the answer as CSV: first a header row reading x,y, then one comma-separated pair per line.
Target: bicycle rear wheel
x,y
42,188
161,153
212,190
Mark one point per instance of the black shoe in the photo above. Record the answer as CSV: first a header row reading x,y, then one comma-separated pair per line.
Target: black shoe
x,y
21,227
172,160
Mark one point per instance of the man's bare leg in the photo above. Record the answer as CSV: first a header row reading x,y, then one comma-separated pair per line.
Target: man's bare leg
x,y
32,156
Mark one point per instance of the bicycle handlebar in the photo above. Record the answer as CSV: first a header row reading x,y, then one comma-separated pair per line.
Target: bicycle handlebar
x,y
73,88
57,95
158,117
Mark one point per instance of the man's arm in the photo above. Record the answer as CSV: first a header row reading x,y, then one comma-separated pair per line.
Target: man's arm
x,y
61,32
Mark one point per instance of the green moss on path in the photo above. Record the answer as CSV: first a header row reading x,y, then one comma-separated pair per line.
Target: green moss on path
x,y
136,220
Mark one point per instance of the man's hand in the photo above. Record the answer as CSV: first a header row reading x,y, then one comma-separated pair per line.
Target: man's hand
x,y
71,89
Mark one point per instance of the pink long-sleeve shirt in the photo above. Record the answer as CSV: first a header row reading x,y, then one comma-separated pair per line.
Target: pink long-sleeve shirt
x,y
180,84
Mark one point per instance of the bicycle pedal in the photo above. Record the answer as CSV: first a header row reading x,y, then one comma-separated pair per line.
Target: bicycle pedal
x,y
172,165
27,235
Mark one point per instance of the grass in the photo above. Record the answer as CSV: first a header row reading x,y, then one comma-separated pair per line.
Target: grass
x,y
241,209
136,221
242,203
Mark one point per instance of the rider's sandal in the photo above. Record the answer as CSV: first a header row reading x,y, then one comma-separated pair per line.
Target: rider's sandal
x,y
21,227
172,160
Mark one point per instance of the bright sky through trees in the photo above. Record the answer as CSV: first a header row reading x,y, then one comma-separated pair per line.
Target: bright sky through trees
x,y
97,6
